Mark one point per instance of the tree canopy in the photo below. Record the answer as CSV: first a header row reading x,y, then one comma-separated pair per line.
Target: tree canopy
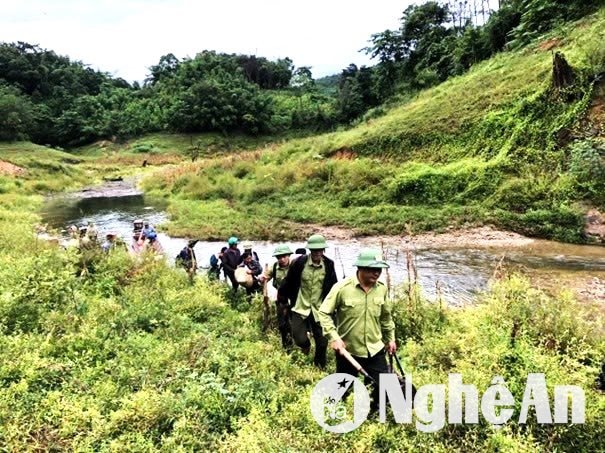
x,y
51,99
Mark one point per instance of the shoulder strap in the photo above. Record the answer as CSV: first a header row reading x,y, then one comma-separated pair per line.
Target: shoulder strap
x,y
274,275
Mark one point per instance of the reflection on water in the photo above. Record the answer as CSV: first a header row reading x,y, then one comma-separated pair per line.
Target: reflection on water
x,y
108,213
457,274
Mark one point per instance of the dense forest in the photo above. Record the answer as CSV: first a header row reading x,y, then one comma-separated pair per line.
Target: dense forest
x,y
50,99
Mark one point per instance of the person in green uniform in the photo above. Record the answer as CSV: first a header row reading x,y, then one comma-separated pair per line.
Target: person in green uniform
x,y
277,273
308,281
364,325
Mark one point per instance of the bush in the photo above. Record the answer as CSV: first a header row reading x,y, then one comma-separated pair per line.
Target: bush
x,y
144,148
587,166
561,223
36,286
459,182
16,114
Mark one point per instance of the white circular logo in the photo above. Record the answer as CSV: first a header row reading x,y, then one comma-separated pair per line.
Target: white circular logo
x,y
331,403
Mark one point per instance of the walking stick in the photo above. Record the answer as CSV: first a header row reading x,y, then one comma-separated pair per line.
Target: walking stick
x,y
266,301
337,255
401,376
356,365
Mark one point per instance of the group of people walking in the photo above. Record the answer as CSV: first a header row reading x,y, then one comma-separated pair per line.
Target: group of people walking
x,y
352,315
144,238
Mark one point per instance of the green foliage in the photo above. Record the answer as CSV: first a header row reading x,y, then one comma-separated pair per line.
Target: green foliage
x,y
55,101
41,284
16,114
562,223
437,40
587,166
416,318
539,16
131,356
134,357
486,147
461,182
143,147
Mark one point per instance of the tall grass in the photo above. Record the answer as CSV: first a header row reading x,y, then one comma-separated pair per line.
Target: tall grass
x,y
134,357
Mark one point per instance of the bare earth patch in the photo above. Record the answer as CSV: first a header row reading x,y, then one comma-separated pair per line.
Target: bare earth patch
x,y
595,225
6,168
344,154
549,44
485,236
592,289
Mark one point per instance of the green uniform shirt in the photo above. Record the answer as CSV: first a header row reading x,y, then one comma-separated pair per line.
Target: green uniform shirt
x,y
309,296
280,273
364,319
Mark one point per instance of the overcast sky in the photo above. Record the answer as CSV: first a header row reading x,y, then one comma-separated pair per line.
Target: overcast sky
x,y
125,37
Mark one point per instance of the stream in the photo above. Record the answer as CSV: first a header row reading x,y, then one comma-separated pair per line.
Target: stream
x,y
455,274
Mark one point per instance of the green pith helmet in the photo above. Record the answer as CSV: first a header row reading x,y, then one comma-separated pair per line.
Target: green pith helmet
x,y
233,240
282,249
316,242
371,258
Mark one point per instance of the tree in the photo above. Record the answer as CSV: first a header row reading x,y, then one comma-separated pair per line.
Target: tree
x,y
302,78
350,100
16,114
167,67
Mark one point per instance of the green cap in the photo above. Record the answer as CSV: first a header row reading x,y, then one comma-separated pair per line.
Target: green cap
x,y
316,242
371,258
232,240
282,249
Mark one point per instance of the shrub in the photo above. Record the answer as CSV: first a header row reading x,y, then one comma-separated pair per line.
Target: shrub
x,y
459,182
587,166
144,148
36,286
562,223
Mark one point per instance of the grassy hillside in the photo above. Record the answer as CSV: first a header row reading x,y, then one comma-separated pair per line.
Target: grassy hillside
x,y
134,358
497,145
131,357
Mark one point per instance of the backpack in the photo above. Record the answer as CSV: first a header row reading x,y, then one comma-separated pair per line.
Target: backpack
x,y
183,258
213,261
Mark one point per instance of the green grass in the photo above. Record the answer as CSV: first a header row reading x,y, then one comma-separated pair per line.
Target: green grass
x,y
491,146
135,358
47,169
131,357
207,144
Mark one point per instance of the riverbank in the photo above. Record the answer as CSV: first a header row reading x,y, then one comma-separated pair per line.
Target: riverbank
x,y
481,237
133,357
453,266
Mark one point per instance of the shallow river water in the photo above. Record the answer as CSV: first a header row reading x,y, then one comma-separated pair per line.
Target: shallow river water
x,y
456,273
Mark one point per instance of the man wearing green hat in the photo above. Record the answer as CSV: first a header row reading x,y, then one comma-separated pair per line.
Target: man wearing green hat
x,y
307,283
231,260
363,315
276,273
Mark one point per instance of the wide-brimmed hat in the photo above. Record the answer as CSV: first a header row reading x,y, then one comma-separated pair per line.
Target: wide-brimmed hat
x,y
371,258
282,249
316,242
